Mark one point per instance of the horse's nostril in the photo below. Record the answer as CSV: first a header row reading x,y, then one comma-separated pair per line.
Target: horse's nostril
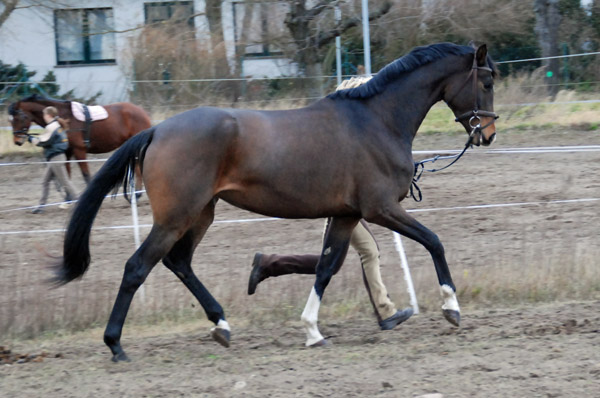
x,y
489,141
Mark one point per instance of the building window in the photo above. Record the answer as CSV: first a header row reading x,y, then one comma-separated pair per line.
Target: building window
x,y
259,26
84,36
176,11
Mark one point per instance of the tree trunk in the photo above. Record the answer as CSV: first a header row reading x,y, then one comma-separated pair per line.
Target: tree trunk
x,y
547,22
308,42
9,7
214,16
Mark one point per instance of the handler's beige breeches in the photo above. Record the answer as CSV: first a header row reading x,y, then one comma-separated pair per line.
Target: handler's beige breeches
x,y
57,170
364,243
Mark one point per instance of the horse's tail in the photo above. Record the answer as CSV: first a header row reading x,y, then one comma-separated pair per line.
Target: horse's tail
x,y
76,252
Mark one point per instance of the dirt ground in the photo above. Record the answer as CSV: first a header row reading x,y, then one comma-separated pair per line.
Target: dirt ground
x,y
549,349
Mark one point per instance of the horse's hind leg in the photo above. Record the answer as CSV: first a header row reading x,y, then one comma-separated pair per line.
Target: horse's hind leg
x,y
68,154
156,246
397,219
335,247
179,261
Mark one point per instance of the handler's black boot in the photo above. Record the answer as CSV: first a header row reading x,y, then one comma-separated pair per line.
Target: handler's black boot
x,y
396,319
38,210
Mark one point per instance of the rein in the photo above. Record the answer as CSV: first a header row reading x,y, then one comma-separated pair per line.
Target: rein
x,y
474,123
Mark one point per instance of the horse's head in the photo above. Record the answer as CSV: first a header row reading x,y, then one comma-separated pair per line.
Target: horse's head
x,y
471,98
20,122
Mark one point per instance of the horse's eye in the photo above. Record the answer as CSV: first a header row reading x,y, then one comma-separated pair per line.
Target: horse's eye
x,y
488,86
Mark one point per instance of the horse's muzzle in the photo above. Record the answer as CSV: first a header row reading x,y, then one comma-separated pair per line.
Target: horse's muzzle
x,y
488,141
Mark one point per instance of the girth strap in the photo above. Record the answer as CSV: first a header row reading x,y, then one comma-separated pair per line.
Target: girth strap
x,y
87,126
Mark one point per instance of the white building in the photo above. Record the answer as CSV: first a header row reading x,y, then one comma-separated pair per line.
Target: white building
x,y
63,36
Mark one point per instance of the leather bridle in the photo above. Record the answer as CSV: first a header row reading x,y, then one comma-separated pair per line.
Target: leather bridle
x,y
474,123
475,114
22,115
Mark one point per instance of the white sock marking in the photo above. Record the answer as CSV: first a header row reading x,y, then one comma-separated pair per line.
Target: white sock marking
x,y
310,316
450,301
222,324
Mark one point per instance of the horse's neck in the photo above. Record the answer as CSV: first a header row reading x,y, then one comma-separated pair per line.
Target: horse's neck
x,y
410,98
36,110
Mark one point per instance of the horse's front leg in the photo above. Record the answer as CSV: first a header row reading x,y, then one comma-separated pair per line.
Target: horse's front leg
x,y
335,247
397,219
80,155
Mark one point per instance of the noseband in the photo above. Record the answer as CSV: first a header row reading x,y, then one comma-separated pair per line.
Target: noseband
x,y
474,114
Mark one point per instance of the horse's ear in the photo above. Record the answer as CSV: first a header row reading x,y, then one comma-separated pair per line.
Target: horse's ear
x,y
481,55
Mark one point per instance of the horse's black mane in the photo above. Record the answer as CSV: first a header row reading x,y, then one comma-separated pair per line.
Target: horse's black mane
x,y
419,56
12,108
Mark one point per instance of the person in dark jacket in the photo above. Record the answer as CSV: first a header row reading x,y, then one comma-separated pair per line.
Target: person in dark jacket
x,y
55,143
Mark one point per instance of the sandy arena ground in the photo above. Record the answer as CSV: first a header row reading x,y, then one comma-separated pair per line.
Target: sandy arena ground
x,y
545,350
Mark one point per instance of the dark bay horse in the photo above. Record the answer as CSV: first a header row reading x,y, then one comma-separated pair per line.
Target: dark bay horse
x,y
346,156
123,122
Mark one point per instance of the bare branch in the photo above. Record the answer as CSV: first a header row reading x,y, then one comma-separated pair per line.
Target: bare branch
x,y
318,8
142,26
327,37
9,7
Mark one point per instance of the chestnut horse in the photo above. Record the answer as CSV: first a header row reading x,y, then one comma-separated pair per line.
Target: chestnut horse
x,y
347,156
123,122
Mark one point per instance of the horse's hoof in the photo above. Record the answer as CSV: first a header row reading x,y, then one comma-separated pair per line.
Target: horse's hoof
x,y
121,357
452,316
320,343
221,336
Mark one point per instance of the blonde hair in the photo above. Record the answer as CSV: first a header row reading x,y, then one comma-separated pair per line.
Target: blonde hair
x,y
51,111
355,81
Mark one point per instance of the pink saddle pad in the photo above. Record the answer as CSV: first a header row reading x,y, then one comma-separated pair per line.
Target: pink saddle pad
x,y
97,112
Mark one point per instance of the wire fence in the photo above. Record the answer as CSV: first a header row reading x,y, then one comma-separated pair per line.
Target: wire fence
x,y
180,94
26,310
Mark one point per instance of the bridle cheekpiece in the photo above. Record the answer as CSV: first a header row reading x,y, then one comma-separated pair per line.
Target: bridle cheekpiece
x,y
474,114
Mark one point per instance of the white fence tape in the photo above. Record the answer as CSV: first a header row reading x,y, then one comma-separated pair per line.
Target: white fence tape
x,y
522,150
540,150
263,219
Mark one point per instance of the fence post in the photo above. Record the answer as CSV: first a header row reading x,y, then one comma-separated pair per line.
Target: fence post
x,y
136,224
407,277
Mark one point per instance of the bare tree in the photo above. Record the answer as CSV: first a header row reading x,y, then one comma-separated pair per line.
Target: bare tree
x,y
548,18
214,15
8,6
309,41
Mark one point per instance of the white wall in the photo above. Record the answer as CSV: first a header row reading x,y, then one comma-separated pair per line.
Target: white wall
x,y
268,67
28,36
